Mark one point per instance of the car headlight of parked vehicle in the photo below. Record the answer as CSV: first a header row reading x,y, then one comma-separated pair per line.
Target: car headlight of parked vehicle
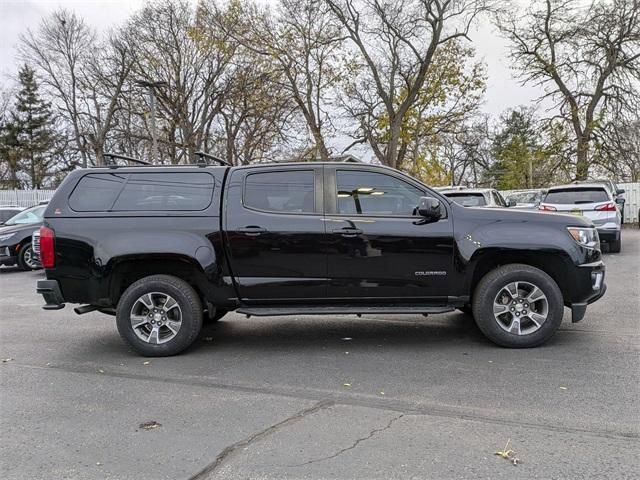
x,y
6,237
587,237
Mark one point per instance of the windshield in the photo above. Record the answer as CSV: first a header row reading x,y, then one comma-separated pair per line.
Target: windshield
x,y
525,197
573,196
31,215
467,199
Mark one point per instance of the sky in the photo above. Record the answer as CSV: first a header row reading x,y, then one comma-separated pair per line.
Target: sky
x,y
503,90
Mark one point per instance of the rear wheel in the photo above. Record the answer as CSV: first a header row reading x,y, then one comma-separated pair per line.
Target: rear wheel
x,y
160,315
518,306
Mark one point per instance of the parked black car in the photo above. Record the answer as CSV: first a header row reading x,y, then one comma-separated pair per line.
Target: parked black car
x,y
15,238
161,247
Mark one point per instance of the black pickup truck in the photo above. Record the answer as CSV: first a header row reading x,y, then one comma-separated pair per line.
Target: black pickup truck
x,y
166,248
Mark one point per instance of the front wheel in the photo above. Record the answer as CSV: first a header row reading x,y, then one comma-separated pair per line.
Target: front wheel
x,y
26,261
518,306
159,315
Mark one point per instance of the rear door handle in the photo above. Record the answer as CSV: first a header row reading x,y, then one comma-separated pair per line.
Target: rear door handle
x,y
348,232
252,230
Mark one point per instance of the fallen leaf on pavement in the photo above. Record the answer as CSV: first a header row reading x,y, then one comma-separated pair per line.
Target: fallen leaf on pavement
x,y
150,425
564,388
508,454
346,384
346,339
5,360
101,371
146,363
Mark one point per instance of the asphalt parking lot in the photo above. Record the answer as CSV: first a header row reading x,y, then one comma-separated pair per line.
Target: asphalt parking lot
x,y
321,397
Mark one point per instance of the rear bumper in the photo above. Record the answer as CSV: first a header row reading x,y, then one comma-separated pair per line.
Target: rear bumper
x,y
589,287
608,234
50,290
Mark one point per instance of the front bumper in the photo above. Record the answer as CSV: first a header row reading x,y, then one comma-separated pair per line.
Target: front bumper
x,y
50,290
589,287
8,256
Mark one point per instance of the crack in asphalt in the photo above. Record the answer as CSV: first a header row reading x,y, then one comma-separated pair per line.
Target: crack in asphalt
x,y
406,407
355,444
228,452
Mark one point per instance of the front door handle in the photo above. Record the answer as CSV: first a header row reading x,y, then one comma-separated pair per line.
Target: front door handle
x,y
252,230
348,231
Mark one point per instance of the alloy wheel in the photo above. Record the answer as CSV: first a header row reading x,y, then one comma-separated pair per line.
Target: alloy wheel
x,y
156,318
520,308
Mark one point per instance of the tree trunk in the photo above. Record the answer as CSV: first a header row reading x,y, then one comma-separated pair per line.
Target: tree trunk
x,y
321,148
391,154
582,161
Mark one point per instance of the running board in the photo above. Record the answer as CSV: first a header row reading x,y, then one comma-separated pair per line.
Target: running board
x,y
273,311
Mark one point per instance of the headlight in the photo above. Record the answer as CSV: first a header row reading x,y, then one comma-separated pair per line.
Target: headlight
x,y
587,237
6,237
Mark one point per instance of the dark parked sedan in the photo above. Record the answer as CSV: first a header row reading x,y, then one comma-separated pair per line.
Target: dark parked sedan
x,y
15,238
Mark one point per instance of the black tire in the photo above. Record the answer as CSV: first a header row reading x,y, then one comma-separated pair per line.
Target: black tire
x,y
23,258
615,246
489,287
189,305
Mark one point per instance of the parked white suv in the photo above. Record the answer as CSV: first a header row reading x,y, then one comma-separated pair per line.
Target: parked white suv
x,y
592,200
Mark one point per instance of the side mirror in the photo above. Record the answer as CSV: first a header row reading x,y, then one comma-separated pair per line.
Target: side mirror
x,y
620,191
429,208
512,202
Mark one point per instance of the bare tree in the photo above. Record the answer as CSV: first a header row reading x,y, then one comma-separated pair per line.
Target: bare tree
x,y
395,43
60,50
256,112
171,44
84,75
302,42
586,57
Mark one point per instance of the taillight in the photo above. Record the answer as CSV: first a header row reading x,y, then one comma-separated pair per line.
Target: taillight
x,y
47,247
607,207
547,208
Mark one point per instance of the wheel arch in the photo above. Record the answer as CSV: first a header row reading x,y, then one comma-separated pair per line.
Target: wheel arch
x,y
129,269
552,263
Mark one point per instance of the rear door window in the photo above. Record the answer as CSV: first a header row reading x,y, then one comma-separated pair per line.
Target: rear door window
x,y
575,196
287,192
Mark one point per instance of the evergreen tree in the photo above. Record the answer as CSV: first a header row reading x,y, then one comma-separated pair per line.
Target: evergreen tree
x,y
32,130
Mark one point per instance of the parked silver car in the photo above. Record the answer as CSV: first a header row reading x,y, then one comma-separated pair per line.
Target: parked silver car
x,y
475,197
592,200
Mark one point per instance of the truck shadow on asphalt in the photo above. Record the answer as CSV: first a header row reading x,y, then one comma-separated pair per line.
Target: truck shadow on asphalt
x,y
320,335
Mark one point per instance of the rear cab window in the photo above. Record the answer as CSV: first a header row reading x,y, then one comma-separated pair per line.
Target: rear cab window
x,y
576,196
153,191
